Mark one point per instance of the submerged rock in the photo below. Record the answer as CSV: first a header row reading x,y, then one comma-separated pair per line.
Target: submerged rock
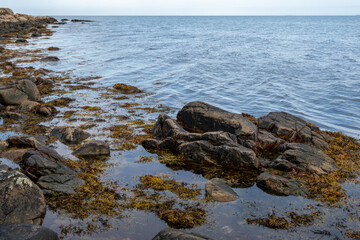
x,y
45,167
70,134
50,59
279,185
220,191
174,234
21,201
200,116
21,231
127,89
17,93
93,149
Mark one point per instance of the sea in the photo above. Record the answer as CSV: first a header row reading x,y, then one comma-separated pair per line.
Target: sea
x,y
308,66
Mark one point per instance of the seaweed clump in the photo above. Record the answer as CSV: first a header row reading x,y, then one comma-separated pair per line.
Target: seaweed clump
x,y
127,89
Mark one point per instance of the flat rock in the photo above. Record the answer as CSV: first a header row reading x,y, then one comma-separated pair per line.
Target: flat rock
x,y
279,185
220,191
174,234
23,141
17,93
93,149
21,201
70,134
200,116
21,231
14,155
45,166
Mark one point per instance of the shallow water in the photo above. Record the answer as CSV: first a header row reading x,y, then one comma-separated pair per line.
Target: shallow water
x,y
308,66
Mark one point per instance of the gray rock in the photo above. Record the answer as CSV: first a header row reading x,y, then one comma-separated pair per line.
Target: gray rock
x,y
3,145
93,149
16,93
14,155
308,158
45,166
174,234
21,231
267,141
292,128
23,141
14,115
235,156
70,134
220,191
21,201
29,106
47,111
200,116
166,127
279,185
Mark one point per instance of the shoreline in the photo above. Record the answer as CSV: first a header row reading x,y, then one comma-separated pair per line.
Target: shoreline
x,y
128,138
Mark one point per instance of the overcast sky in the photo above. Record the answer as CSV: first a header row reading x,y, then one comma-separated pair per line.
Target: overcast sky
x,y
184,7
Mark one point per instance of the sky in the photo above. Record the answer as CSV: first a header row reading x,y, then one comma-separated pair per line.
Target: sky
x,y
184,7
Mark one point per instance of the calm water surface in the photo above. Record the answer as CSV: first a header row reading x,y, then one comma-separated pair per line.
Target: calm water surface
x,y
308,66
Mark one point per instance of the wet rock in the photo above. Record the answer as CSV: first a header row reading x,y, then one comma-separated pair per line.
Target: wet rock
x,y
292,129
166,127
53,48
200,116
14,115
61,102
80,20
3,145
279,185
127,89
150,144
21,200
21,231
18,92
70,134
47,111
220,191
29,106
93,149
308,158
50,59
45,167
23,141
64,20
237,156
21,40
35,34
45,19
174,234
268,142
14,155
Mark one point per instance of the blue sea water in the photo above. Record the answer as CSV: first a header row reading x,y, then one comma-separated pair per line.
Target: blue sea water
x,y
308,66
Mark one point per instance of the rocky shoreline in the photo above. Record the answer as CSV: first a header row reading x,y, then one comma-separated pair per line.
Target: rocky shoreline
x,y
282,154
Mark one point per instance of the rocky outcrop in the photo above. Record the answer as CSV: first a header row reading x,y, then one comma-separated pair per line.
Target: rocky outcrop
x,y
6,11
21,201
19,92
45,166
70,134
21,231
93,149
200,116
172,234
220,191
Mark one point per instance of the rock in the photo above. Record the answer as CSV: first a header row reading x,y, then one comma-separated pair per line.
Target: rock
x,y
220,191
166,127
292,129
19,92
29,106
61,102
45,167
35,34
200,116
47,111
14,115
70,134
53,48
3,145
4,168
80,20
23,141
235,156
174,234
279,185
93,149
21,231
21,200
50,59
21,40
308,158
6,11
126,89
267,141
14,155
64,20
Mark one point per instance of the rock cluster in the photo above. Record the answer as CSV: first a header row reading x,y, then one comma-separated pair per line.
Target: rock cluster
x,y
207,134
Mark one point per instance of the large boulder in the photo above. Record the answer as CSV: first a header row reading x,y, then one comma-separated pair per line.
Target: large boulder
x,y
21,201
21,231
203,117
279,185
174,234
220,191
93,149
308,158
45,166
70,134
18,92
292,129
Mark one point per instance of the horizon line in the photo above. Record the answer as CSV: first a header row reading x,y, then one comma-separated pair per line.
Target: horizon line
x,y
200,15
